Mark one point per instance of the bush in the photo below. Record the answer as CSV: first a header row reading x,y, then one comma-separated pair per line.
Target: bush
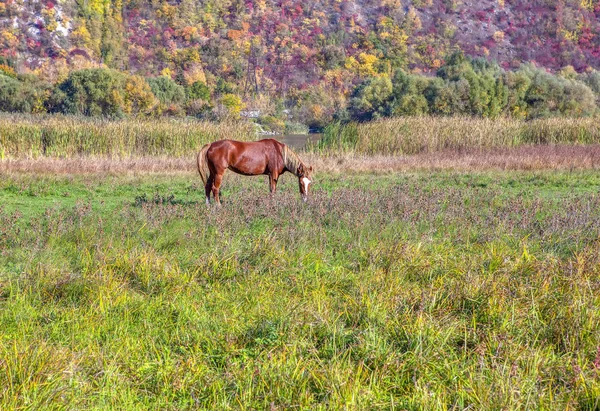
x,y
370,99
166,90
27,94
271,123
232,105
198,91
139,98
296,128
550,95
91,92
409,94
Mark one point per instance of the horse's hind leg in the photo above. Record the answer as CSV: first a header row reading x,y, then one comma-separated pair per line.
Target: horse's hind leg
x,y
208,188
216,188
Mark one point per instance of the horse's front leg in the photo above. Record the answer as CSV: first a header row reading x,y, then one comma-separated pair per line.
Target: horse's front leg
x,y
272,183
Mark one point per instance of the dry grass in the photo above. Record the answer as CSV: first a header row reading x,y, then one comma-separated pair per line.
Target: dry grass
x,y
415,135
551,157
23,136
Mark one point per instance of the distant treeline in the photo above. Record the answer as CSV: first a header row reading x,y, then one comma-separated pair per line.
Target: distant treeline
x,y
478,88
462,86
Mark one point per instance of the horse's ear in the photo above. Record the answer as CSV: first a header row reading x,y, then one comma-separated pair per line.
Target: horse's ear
x,y
300,170
310,169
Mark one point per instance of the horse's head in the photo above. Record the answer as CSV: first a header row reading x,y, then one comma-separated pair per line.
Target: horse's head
x,y
304,174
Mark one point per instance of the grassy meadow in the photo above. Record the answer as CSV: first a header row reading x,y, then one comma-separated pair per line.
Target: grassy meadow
x,y
403,290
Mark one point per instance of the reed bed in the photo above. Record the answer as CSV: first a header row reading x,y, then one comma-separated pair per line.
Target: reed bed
x,y
23,136
414,135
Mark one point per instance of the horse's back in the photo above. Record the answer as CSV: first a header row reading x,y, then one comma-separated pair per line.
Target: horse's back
x,y
246,157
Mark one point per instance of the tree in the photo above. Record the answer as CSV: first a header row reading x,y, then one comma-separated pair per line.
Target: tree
x,y
101,92
369,99
198,91
92,92
409,94
166,90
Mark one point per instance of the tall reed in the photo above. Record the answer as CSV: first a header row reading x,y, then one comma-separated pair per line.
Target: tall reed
x,y
414,135
24,136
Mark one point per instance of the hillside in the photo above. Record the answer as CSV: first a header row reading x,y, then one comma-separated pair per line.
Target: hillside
x,y
279,46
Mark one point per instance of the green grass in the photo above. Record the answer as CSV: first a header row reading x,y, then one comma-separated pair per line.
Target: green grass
x,y
397,291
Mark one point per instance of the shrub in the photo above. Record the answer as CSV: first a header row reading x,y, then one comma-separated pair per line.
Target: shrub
x,y
198,91
27,94
138,96
166,90
92,92
232,105
271,123
369,100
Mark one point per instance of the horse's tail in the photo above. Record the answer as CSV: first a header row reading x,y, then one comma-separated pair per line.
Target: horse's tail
x,y
203,169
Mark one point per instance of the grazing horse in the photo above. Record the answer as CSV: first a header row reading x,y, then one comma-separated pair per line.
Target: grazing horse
x,y
267,156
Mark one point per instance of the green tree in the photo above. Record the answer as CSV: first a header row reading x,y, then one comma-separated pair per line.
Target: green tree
x,y
551,95
166,90
101,92
92,92
409,94
370,98
26,94
198,91
480,84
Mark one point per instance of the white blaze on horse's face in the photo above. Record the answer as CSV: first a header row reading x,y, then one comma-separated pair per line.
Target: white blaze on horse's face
x,y
304,183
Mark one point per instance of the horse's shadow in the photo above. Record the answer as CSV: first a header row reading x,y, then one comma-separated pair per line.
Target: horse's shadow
x,y
159,199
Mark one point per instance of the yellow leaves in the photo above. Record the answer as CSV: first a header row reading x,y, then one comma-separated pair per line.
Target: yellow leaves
x,y
316,111
233,104
138,96
568,72
501,3
9,37
49,12
166,11
189,33
587,4
498,36
52,26
97,6
192,56
364,65
350,63
167,72
570,35
194,74
7,71
261,5
81,37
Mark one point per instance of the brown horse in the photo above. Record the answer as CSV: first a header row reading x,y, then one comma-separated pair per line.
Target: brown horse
x,y
267,156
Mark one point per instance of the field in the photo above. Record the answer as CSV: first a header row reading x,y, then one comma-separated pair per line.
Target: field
x,y
439,264
444,288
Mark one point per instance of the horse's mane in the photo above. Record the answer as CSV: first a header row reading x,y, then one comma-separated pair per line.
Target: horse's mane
x,y
291,160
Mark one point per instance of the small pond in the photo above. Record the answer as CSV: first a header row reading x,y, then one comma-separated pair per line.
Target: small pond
x,y
296,141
